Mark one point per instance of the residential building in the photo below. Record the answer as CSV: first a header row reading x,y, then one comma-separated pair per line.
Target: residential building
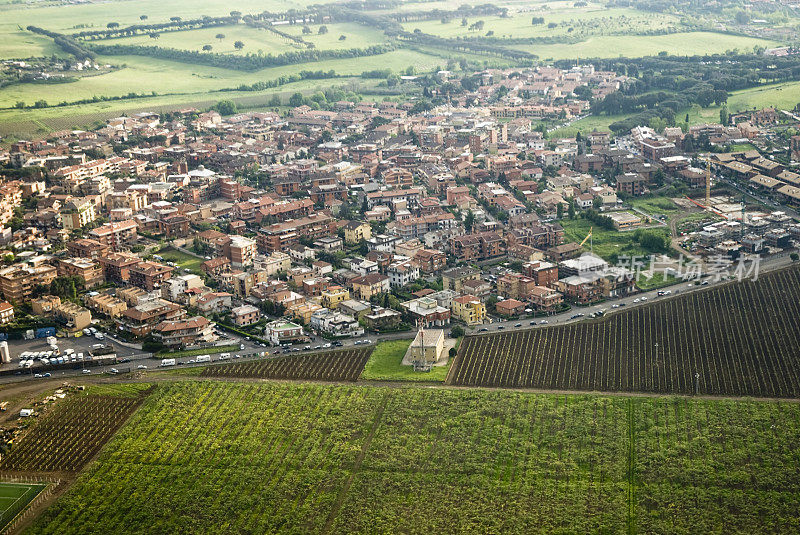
x,y
107,305
454,278
469,309
45,305
89,271
6,312
284,332
379,318
181,333
427,312
366,286
149,275
335,323
117,235
117,266
77,213
18,281
545,299
245,315
333,295
356,231
402,273
74,317
509,307
140,320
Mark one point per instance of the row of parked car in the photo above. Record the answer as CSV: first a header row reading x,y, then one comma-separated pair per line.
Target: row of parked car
x,y
28,358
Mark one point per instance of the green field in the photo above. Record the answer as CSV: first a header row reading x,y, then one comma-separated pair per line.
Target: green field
x,y
604,242
385,364
680,44
14,497
259,41
221,457
184,260
584,21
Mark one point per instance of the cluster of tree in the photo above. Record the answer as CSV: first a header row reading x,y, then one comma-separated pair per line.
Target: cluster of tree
x,y
652,240
286,79
66,287
474,46
663,85
114,30
41,103
249,62
602,221
65,43
463,11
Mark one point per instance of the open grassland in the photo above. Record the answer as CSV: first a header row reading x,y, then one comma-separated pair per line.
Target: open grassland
x,y
679,44
209,457
583,21
145,75
604,242
259,40
386,364
740,338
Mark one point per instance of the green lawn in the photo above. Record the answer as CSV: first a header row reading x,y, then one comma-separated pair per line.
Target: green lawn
x,y
606,242
385,365
184,260
658,280
655,205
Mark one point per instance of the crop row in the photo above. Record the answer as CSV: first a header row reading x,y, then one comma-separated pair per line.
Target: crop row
x,y
70,434
213,457
344,365
739,339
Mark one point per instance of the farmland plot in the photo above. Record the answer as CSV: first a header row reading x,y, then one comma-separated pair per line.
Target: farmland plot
x,y
71,433
741,339
343,365
223,457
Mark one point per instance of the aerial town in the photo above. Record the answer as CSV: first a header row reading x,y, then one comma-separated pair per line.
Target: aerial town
x,y
323,227
399,266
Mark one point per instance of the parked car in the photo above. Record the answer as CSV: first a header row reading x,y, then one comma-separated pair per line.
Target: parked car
x,y
86,371
518,325
141,367
113,371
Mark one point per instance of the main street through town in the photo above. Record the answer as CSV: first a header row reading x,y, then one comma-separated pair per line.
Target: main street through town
x,y
133,359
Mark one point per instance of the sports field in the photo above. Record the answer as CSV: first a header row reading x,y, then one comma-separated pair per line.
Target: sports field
x,y
14,497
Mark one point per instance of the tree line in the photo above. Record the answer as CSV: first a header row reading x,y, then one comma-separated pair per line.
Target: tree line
x,y
66,43
250,62
114,31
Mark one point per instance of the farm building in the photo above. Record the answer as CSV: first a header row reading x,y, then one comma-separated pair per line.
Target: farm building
x,y
428,347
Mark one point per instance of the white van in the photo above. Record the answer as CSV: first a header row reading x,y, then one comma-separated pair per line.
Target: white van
x,y
168,362
203,358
